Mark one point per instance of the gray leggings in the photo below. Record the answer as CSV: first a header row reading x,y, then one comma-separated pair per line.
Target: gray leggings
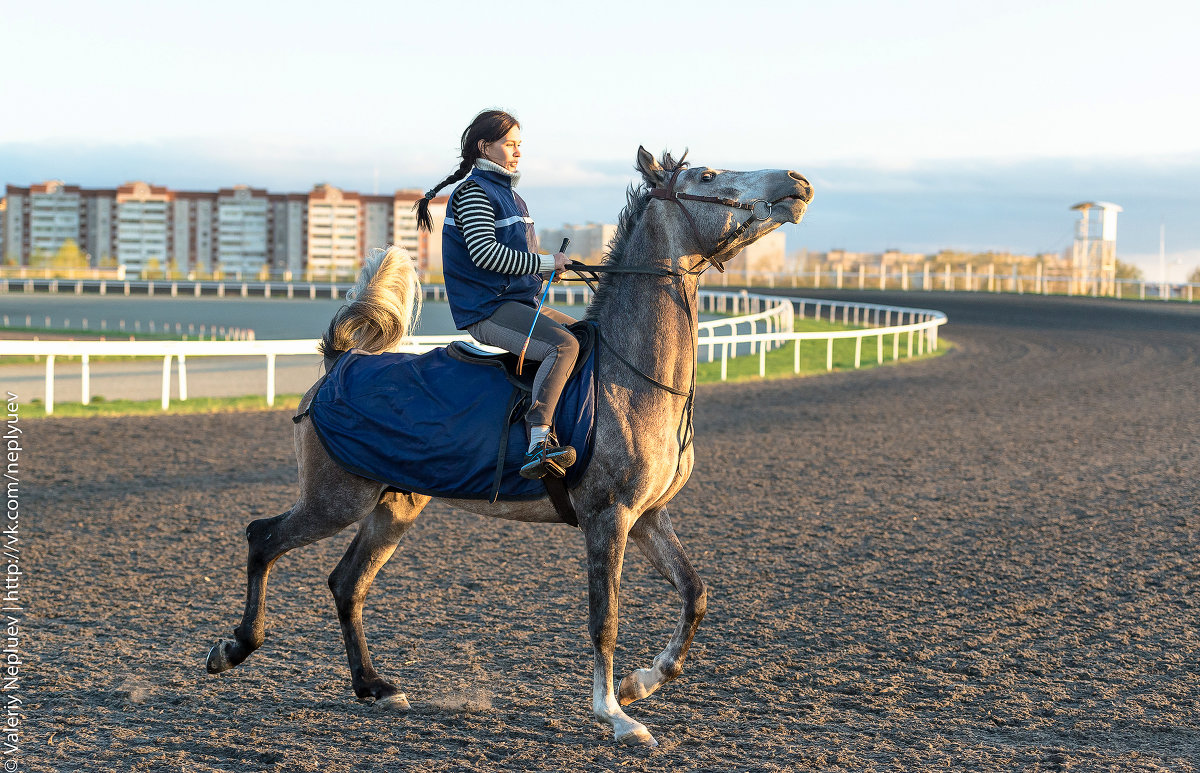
x,y
551,344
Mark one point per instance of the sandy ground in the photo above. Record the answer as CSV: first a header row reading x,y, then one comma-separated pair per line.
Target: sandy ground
x,y
985,561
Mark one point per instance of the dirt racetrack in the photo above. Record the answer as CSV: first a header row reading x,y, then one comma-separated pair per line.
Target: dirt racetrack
x,y
986,561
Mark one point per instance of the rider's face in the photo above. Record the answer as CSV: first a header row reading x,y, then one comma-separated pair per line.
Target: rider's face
x,y
505,151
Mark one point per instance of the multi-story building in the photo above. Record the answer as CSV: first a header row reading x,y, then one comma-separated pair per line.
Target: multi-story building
x,y
194,226
289,231
144,238
588,241
53,218
242,233
764,256
98,226
377,214
426,248
334,244
239,230
4,258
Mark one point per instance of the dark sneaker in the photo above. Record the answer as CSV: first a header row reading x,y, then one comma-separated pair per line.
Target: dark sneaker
x,y
547,459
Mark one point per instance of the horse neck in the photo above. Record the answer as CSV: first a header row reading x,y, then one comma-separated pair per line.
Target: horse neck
x,y
652,321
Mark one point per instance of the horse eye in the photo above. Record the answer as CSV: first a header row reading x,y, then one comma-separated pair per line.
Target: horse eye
x,y
708,177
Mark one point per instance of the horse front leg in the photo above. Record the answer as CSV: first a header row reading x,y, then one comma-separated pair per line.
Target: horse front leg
x,y
351,580
655,537
606,539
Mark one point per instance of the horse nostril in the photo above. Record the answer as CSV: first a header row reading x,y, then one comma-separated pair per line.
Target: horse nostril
x,y
802,179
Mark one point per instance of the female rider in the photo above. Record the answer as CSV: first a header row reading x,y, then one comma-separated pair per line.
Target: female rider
x,y
492,271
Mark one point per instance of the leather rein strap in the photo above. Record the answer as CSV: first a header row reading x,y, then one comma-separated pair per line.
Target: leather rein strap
x,y
760,210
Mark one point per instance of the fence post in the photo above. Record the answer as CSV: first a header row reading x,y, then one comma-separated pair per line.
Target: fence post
x,y
857,352
49,384
829,354
796,365
270,379
182,360
166,382
724,360
84,386
762,360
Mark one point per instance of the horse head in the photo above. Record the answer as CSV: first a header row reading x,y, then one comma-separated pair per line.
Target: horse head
x,y
723,211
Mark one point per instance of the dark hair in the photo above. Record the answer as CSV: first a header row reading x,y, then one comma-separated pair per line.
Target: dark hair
x,y
489,126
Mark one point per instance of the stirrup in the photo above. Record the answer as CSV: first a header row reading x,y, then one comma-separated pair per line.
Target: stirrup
x,y
547,459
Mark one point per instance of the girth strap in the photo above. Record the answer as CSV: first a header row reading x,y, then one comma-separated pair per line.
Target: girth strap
x,y
556,489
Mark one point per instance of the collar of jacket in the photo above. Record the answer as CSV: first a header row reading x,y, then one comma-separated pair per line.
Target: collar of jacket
x,y
485,165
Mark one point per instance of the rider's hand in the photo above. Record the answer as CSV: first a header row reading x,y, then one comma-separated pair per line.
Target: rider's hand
x,y
560,262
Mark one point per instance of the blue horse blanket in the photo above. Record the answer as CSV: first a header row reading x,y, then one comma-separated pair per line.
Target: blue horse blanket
x,y
435,424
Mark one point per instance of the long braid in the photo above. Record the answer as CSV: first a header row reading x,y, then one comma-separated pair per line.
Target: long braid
x,y
424,221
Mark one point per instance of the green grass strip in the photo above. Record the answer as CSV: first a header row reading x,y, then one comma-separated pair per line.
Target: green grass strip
x,y
781,361
36,409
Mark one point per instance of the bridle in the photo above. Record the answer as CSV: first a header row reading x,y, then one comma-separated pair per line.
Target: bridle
x,y
760,211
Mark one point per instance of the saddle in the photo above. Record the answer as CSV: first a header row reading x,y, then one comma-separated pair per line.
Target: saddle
x,y
441,423
469,352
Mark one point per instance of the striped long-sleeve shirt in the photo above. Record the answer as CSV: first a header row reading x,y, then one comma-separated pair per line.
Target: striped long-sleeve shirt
x,y
475,218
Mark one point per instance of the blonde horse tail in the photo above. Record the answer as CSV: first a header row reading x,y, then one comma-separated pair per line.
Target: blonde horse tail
x,y
380,309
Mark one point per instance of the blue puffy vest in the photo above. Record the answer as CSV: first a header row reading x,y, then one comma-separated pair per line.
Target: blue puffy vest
x,y
474,292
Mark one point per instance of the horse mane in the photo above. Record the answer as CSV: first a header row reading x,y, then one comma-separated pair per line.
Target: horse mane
x,y
637,198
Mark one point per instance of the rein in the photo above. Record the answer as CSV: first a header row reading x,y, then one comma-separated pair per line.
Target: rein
x,y
760,210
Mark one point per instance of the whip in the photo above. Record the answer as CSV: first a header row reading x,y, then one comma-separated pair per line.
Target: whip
x,y
538,313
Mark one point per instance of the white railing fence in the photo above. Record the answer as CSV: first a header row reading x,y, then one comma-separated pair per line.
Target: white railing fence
x,y
769,322
962,278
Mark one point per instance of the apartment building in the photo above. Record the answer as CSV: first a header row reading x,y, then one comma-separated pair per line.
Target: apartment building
x,y
288,231
588,241
238,231
334,222
242,230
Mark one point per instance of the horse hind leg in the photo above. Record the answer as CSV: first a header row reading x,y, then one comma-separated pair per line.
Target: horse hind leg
x,y
655,537
351,580
342,500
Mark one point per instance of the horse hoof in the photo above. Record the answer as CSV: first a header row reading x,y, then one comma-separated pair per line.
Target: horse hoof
x,y
631,689
394,702
218,660
638,736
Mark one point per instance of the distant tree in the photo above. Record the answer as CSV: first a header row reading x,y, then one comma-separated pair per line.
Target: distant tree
x,y
39,258
173,269
1128,271
108,261
69,256
152,268
1194,277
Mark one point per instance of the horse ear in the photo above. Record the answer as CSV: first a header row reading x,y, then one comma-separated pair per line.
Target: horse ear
x,y
652,171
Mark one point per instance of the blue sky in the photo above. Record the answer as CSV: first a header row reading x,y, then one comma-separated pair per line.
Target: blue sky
x,y
923,124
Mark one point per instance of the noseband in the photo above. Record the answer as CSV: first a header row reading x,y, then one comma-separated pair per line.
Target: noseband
x,y
760,210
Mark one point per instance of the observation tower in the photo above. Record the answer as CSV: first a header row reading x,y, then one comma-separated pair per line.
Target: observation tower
x,y
1094,253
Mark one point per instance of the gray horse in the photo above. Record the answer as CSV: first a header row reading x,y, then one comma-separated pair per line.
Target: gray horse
x,y
682,220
